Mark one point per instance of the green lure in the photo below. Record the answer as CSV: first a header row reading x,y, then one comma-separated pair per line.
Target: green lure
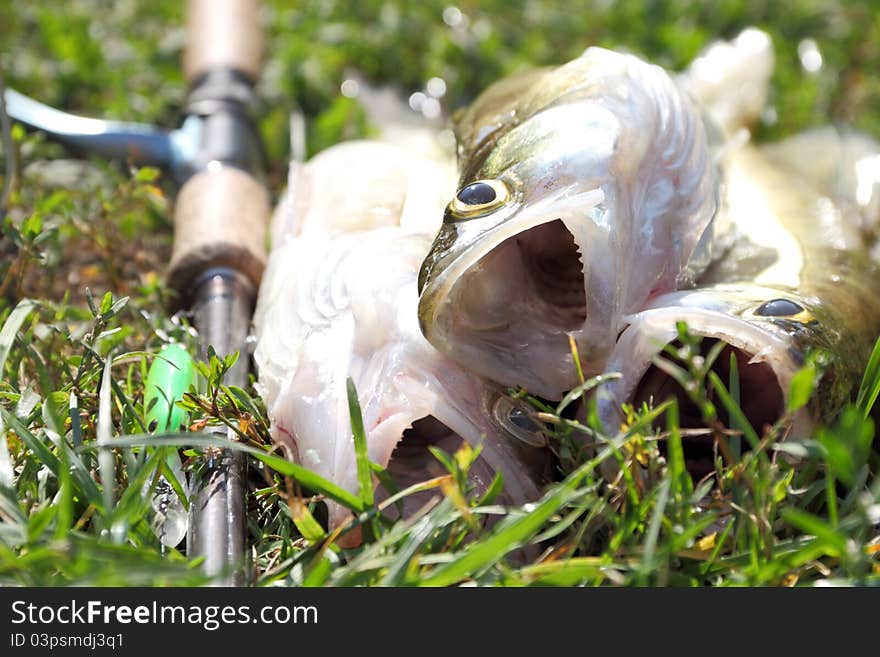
x,y
170,375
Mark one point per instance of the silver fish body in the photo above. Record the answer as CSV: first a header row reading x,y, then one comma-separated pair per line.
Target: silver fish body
x,y
584,191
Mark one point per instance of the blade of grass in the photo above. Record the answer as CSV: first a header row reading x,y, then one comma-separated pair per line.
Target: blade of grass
x,y
686,380
64,498
679,478
509,536
85,487
403,559
719,545
576,357
44,379
15,519
493,490
428,484
117,390
847,444
319,572
801,388
578,391
168,472
305,522
568,572
42,453
870,385
734,411
566,522
831,497
133,504
654,525
735,442
11,325
365,480
383,553
810,524
281,465
39,520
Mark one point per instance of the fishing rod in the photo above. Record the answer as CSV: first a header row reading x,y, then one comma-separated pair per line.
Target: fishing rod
x,y
219,251
220,221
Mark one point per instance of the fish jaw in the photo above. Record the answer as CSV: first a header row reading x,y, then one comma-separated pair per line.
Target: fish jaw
x,y
768,352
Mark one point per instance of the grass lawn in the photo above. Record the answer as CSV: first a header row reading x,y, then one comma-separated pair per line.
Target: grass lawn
x,y
83,310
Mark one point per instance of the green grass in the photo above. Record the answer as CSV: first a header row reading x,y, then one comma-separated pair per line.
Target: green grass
x,y
77,454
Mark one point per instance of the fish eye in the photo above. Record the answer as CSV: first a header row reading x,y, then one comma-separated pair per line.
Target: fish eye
x,y
517,420
779,308
785,309
478,193
478,198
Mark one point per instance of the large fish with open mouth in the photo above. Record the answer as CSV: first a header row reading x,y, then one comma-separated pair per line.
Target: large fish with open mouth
x,y
339,300
798,278
584,191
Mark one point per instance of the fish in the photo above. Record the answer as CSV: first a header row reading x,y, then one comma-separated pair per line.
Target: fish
x,y
584,191
730,80
364,184
339,300
799,279
842,163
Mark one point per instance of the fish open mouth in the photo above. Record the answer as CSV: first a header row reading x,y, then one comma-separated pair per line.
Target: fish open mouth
x,y
508,316
551,261
413,463
765,363
760,397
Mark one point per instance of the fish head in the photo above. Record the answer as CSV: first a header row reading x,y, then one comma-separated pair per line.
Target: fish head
x,y
769,331
565,222
503,283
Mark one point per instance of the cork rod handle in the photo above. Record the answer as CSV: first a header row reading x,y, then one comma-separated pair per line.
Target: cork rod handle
x,y
222,211
220,221
222,34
